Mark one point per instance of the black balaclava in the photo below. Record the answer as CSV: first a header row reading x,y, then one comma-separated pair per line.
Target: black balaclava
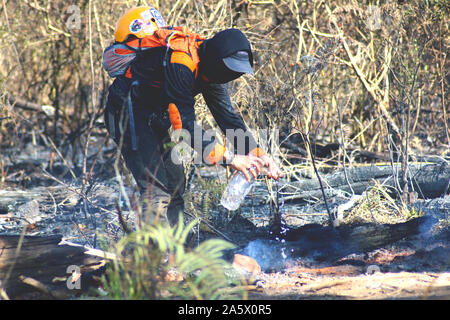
x,y
232,45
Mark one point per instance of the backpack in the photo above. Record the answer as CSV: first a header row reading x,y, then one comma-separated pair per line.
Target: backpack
x,y
118,57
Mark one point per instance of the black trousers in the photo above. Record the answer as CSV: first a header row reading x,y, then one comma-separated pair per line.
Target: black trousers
x,y
160,180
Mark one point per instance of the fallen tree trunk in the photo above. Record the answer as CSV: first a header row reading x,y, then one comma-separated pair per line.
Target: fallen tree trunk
x,y
18,197
346,239
428,180
14,198
43,265
24,104
324,243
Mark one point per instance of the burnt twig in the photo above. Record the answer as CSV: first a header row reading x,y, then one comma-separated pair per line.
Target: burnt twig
x,y
330,216
122,222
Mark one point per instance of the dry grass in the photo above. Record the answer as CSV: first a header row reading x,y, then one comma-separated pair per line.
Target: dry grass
x,y
368,77
377,65
378,206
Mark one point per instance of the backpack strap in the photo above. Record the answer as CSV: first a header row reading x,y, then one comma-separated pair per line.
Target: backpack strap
x,y
111,122
184,59
131,115
181,39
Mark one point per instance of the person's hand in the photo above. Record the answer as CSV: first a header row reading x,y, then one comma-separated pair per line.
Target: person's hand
x,y
246,164
271,169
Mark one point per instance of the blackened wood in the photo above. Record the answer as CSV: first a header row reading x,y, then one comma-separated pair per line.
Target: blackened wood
x,y
44,259
428,180
23,104
325,243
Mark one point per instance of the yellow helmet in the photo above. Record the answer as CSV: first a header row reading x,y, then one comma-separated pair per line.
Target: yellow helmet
x,y
140,22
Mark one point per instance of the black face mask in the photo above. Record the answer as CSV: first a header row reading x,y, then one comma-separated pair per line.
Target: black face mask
x,y
222,45
219,73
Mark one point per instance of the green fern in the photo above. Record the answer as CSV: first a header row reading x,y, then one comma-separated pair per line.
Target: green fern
x,y
147,255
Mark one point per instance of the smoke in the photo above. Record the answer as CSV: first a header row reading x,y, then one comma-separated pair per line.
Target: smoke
x,y
425,227
270,254
322,244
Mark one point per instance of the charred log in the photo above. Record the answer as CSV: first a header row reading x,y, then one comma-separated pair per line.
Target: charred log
x,y
42,265
326,244
428,180
23,104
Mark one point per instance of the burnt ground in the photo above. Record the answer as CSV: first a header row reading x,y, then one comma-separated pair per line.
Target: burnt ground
x,y
305,259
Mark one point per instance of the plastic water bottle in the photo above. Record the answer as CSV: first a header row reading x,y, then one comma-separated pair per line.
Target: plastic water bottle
x,y
236,191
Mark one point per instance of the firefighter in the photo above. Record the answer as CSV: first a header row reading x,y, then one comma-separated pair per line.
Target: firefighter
x,y
158,71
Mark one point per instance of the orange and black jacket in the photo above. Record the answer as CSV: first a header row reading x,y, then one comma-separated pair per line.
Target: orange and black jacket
x,y
168,83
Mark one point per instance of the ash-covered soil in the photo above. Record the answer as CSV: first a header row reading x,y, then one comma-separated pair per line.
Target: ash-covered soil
x,y
47,200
